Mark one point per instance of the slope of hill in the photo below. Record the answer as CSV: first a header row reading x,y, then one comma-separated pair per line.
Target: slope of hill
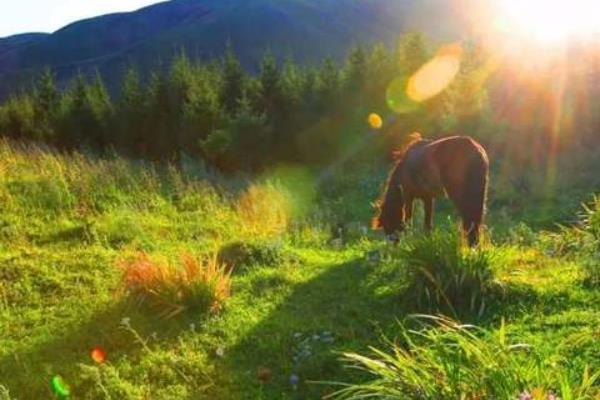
x,y
307,30
17,42
68,222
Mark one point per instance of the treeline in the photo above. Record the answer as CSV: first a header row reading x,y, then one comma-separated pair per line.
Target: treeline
x,y
234,120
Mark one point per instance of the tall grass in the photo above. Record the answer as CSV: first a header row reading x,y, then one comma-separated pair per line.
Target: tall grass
x,y
442,273
449,360
591,225
581,241
264,210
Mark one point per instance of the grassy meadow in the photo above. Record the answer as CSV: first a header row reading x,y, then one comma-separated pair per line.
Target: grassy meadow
x,y
136,260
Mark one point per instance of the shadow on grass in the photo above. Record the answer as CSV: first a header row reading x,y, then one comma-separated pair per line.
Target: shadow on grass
x,y
347,307
360,305
27,374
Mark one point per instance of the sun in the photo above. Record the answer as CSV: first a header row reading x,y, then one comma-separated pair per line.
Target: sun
x,y
549,21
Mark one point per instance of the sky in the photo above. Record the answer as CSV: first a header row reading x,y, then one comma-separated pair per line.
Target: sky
x,y
50,15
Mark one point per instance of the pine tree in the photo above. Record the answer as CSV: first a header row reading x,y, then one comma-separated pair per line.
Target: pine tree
x,y
328,85
101,111
131,113
76,114
355,71
412,53
46,104
233,80
270,86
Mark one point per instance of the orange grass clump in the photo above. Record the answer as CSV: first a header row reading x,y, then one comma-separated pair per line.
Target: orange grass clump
x,y
197,286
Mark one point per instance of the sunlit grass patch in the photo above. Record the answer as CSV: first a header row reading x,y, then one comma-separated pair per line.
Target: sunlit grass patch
x,y
199,286
264,210
449,360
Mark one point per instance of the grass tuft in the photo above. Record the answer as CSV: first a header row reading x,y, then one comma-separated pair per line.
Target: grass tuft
x,y
193,286
443,273
449,360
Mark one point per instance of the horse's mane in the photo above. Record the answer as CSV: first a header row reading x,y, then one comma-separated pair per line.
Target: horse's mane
x,y
400,151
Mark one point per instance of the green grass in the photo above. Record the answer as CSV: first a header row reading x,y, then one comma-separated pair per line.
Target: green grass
x,y
305,291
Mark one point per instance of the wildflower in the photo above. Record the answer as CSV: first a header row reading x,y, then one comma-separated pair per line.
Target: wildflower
x,y
220,352
525,395
264,374
126,321
294,380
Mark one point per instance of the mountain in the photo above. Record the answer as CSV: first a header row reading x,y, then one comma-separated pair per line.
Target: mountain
x,y
308,30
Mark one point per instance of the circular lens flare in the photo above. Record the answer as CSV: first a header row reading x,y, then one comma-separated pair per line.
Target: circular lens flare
x,y
397,99
98,355
375,121
59,387
435,76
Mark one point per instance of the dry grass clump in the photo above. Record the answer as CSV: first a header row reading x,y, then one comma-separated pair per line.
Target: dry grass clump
x,y
199,286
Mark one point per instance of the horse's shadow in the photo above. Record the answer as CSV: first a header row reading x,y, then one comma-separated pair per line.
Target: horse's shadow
x,y
341,309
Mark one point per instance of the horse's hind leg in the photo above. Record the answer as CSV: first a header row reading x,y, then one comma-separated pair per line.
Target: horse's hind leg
x,y
428,208
471,229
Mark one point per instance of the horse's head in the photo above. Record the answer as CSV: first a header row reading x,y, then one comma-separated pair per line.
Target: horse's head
x,y
390,208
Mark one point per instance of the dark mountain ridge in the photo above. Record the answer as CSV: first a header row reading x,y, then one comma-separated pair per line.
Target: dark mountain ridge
x,y
308,30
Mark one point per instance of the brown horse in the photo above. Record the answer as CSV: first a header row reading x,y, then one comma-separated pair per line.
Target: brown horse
x,y
455,166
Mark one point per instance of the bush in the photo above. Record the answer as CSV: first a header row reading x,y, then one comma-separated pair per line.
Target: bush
x,y
246,254
454,361
443,273
195,286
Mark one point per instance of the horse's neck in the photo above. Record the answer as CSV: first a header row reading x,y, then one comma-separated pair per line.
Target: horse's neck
x,y
413,157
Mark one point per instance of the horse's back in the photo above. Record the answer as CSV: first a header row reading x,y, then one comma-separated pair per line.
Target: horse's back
x,y
457,150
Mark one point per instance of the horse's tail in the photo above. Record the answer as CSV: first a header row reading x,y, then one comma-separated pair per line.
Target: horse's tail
x,y
475,193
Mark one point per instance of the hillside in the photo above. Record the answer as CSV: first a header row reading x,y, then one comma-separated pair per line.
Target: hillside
x,y
300,295
307,30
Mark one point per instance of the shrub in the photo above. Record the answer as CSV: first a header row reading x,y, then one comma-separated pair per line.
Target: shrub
x,y
454,361
442,272
246,254
195,286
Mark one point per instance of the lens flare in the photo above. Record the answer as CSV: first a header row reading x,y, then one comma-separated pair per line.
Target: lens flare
x,y
98,355
435,76
59,387
375,121
397,99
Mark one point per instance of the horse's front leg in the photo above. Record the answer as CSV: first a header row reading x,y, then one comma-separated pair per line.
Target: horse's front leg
x,y
408,210
428,206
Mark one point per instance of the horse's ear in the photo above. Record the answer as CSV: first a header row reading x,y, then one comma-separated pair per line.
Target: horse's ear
x,y
376,223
